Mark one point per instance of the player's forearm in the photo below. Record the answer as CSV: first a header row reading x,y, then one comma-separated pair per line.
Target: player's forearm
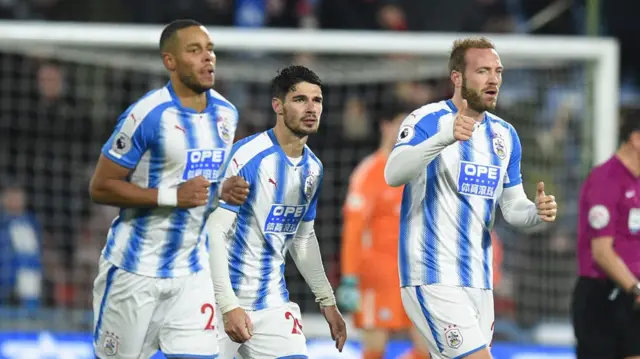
x,y
615,268
305,252
120,193
406,162
219,224
517,209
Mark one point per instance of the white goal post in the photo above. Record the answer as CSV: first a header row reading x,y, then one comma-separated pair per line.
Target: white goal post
x,y
603,53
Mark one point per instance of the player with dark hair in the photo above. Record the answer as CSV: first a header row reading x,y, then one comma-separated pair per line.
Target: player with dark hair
x,y
606,318
161,167
369,255
249,243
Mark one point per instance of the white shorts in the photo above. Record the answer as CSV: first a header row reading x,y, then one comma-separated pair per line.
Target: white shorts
x,y
134,316
455,321
277,333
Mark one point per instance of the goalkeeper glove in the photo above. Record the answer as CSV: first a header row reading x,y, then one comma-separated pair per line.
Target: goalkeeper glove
x,y
348,295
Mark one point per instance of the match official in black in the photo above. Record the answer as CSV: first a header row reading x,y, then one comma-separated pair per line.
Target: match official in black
x,y
606,316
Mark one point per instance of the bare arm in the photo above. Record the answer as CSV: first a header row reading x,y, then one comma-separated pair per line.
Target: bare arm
x,y
109,186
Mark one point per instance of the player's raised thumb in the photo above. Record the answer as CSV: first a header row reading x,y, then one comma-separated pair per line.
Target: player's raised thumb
x,y
464,106
540,189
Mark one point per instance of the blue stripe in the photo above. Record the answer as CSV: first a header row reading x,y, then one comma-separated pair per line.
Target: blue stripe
x,y
107,287
284,293
190,356
269,252
430,247
489,209
403,248
194,258
111,241
156,166
295,356
464,225
470,352
236,146
179,217
430,322
240,246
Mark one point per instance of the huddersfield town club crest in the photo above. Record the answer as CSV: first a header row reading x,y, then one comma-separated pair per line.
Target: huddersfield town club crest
x,y
453,336
309,184
224,122
110,344
499,147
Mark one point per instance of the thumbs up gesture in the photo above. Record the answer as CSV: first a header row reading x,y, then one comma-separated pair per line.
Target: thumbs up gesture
x,y
463,125
546,204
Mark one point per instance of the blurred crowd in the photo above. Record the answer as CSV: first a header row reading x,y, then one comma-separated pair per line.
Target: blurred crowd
x,y
55,115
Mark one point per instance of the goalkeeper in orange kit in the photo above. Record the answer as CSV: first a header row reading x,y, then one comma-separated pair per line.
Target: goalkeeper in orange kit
x,y
370,285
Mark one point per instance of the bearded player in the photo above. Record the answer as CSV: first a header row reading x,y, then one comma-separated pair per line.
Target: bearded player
x,y
458,162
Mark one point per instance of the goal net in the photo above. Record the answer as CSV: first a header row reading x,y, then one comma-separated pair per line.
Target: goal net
x,y
62,86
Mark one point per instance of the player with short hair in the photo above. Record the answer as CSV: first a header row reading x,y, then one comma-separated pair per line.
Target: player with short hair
x,y
457,162
606,298
369,255
249,243
160,166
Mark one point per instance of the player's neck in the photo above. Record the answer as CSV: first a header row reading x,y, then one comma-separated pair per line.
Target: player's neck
x,y
188,98
630,158
457,101
292,144
386,146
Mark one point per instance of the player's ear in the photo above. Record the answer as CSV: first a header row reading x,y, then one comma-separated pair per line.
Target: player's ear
x,y
635,140
169,61
276,105
456,78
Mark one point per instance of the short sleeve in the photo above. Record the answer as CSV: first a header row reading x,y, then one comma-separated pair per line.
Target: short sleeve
x,y
311,212
132,137
601,206
418,127
513,177
235,167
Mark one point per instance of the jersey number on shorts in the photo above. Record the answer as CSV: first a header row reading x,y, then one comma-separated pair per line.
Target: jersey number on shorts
x,y
208,307
297,327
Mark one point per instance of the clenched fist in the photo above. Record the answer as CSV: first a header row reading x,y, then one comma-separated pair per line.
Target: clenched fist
x,y
235,190
193,193
463,125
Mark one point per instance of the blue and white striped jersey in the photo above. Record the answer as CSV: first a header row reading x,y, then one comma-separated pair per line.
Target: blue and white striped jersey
x,y
281,196
448,210
166,144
